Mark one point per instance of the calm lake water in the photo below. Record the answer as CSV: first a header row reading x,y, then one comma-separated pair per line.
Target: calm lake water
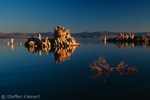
x,y
66,75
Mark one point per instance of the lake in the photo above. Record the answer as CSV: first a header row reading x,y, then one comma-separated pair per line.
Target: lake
x,y
66,74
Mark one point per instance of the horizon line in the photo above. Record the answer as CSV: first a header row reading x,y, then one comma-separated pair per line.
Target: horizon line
x,y
73,32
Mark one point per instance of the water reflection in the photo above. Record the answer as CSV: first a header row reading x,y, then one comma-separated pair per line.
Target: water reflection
x,y
102,69
64,53
12,47
60,54
122,45
39,50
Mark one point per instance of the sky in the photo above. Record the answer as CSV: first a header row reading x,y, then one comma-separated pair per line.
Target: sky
x,y
32,16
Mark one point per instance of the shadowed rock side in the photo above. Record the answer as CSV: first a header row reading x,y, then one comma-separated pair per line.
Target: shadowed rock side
x,y
131,39
103,69
35,41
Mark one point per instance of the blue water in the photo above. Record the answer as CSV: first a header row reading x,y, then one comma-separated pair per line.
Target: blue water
x,y
23,72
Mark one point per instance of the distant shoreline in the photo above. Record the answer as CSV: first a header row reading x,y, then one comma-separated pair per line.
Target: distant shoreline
x,y
75,35
26,37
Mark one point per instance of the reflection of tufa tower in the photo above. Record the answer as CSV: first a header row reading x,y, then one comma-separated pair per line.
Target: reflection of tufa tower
x,y
40,52
105,40
12,47
64,53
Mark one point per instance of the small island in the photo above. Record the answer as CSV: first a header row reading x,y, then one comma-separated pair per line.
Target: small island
x,y
130,38
62,38
63,44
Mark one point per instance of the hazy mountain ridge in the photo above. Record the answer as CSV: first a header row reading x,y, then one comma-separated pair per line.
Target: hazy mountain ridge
x,y
77,35
24,35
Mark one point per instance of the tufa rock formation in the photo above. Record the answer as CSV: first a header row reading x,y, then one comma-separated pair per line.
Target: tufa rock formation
x,y
35,41
123,40
63,45
130,38
62,38
7,43
12,41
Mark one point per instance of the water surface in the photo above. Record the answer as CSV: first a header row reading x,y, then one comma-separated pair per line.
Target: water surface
x,y
66,74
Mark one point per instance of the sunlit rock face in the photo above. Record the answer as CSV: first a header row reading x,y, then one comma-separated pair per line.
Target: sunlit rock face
x,y
63,38
12,41
7,43
130,38
63,44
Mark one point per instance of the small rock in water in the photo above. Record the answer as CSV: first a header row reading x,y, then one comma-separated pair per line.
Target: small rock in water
x,y
35,41
20,43
12,40
8,43
62,39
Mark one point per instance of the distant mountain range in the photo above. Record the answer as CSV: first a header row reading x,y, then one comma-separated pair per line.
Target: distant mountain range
x,y
25,35
76,35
